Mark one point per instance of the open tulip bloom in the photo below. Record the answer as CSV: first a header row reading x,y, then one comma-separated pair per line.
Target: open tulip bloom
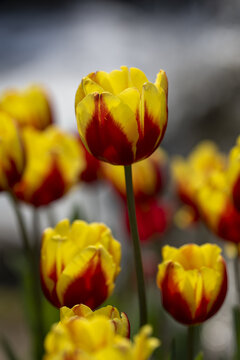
x,y
121,116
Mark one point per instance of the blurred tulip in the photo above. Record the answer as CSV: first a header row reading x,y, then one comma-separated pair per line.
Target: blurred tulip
x,y
29,107
120,322
190,174
234,174
54,162
12,153
121,116
152,219
95,338
149,176
79,263
216,207
93,167
193,282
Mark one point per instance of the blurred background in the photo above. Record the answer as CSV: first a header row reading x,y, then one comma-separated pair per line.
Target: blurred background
x,y
56,43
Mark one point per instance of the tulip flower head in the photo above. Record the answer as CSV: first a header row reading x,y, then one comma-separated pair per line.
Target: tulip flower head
x,y
193,282
121,116
217,209
190,174
95,338
148,176
12,153
54,162
234,174
79,263
30,107
120,321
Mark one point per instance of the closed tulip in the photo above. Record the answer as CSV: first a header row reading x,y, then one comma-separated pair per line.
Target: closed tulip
x,y
30,107
121,116
193,282
54,163
79,263
234,174
12,154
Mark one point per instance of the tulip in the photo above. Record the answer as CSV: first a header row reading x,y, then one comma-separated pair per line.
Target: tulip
x,y
120,322
12,153
190,174
234,174
54,163
79,263
121,116
152,219
95,338
193,282
29,107
148,176
216,207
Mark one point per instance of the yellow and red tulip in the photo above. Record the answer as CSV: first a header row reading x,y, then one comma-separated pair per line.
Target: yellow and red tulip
x,y
95,338
12,153
234,174
121,116
30,107
190,174
148,176
217,209
120,321
193,282
79,263
54,162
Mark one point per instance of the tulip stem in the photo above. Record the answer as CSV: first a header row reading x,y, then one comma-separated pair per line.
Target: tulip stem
x,y
32,262
191,340
136,245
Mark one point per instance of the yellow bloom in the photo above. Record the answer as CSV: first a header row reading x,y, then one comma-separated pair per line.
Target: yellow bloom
x,y
193,282
234,174
216,207
12,153
121,116
54,163
120,322
148,176
29,107
190,174
95,338
79,263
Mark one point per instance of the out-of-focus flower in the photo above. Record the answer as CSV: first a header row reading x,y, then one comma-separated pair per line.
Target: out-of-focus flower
x,y
12,153
216,207
54,162
152,219
190,174
193,282
29,107
120,321
148,176
79,263
234,174
95,338
121,116
93,167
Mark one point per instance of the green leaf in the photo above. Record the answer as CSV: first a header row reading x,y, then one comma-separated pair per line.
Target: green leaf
x,y
199,356
7,349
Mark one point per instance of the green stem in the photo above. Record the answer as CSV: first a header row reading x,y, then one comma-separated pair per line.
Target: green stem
x,y
33,264
136,245
237,274
191,339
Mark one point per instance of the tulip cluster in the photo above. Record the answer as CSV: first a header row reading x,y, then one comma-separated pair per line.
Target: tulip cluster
x,y
84,335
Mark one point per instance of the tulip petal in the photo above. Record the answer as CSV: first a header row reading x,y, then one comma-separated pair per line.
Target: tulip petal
x,y
137,78
108,128
162,81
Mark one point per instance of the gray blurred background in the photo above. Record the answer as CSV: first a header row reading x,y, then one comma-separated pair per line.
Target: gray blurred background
x,y
56,43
